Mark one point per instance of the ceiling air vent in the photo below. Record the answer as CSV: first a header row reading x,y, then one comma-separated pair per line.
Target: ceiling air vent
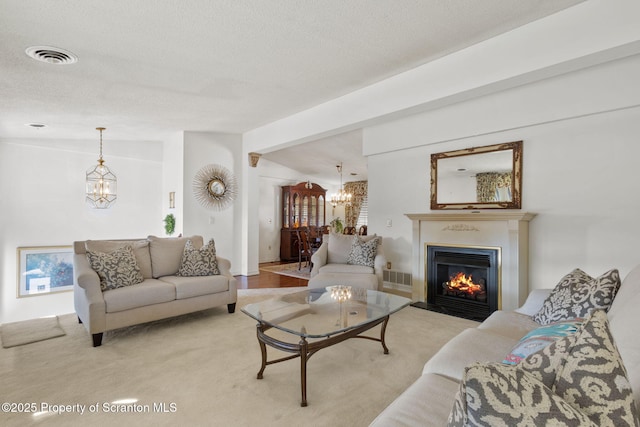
x,y
51,55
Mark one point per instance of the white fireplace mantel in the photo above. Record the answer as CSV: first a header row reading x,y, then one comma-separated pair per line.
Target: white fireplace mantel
x,y
507,230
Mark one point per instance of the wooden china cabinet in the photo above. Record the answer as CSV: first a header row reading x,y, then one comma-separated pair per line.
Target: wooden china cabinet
x,y
303,205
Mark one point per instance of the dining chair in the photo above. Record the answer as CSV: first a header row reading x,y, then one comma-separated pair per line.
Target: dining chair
x,y
304,249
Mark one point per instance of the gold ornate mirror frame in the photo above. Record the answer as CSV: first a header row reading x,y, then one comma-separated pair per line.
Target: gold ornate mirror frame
x,y
488,177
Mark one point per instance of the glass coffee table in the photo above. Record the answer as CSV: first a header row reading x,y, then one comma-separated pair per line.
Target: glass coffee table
x,y
319,318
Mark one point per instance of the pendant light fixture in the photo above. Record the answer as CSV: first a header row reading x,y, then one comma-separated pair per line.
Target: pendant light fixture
x,y
101,183
342,197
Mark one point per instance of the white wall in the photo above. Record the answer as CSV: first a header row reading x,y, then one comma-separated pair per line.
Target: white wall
x,y
42,204
579,174
201,149
173,178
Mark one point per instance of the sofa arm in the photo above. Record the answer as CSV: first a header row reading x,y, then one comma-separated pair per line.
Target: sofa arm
x,y
224,265
319,258
87,295
379,264
534,302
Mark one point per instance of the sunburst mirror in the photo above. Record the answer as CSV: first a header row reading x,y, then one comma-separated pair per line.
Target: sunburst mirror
x,y
214,186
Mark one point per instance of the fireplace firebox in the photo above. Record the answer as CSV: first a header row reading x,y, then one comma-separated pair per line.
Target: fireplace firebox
x,y
463,281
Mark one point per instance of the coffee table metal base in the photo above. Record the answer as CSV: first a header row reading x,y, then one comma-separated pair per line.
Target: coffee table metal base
x,y
305,349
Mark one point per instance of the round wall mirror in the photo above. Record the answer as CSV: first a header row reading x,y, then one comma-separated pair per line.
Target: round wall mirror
x,y
214,186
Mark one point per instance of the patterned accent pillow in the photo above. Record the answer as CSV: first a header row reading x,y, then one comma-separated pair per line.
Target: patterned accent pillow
x,y
363,253
577,295
586,370
578,380
500,395
116,269
202,262
540,338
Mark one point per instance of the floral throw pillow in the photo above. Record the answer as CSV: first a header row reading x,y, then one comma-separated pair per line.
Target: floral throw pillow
x,y
363,253
116,269
199,262
577,295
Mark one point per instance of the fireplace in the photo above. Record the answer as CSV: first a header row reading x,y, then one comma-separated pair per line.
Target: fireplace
x,y
463,281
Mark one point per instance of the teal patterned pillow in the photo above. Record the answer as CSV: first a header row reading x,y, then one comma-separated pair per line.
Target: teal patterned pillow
x,y
363,253
199,262
116,269
539,338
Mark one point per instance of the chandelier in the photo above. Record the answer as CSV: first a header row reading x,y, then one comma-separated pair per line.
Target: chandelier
x,y
101,183
341,197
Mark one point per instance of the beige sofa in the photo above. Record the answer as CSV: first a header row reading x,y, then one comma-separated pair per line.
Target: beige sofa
x,y
160,295
331,266
430,399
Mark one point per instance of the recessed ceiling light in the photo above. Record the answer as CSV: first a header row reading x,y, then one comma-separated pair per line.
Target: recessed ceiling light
x,y
51,55
36,125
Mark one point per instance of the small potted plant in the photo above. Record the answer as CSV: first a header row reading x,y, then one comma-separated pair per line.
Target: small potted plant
x,y
169,224
336,225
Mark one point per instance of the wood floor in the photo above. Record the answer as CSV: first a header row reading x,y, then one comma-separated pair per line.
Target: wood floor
x,y
267,279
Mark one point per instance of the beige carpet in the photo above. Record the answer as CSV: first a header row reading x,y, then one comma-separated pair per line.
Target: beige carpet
x,y
289,270
202,367
29,331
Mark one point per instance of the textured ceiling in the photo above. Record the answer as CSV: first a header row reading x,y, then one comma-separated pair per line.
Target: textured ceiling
x,y
150,67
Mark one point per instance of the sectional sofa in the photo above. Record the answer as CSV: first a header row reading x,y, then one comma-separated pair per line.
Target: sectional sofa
x,y
149,279
473,377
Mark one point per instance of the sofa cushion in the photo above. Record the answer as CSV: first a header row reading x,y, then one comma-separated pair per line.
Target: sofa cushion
x,y
469,346
345,268
115,269
140,250
187,287
508,324
363,253
577,295
166,253
199,262
368,281
338,248
578,376
149,292
425,403
539,338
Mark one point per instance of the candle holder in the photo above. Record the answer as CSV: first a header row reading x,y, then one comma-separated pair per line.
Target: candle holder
x,y
341,294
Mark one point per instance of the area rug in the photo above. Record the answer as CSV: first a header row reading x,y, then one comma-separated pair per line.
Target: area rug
x,y
200,369
29,331
290,270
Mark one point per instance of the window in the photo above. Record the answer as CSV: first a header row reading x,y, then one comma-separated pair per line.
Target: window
x,y
363,218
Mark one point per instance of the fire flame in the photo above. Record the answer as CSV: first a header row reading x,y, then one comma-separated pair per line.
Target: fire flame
x,y
464,283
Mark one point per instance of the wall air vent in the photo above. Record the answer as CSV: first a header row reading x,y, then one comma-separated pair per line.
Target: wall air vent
x,y
51,55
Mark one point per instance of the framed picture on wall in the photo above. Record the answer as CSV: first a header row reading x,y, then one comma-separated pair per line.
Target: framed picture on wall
x,y
44,270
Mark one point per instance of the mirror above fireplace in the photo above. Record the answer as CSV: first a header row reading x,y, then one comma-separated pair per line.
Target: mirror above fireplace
x,y
488,177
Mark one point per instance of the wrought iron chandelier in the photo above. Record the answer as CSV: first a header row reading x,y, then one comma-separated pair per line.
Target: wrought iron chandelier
x,y
341,197
101,183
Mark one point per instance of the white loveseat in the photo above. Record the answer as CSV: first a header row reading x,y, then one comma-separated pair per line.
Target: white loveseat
x,y
430,399
161,294
331,262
